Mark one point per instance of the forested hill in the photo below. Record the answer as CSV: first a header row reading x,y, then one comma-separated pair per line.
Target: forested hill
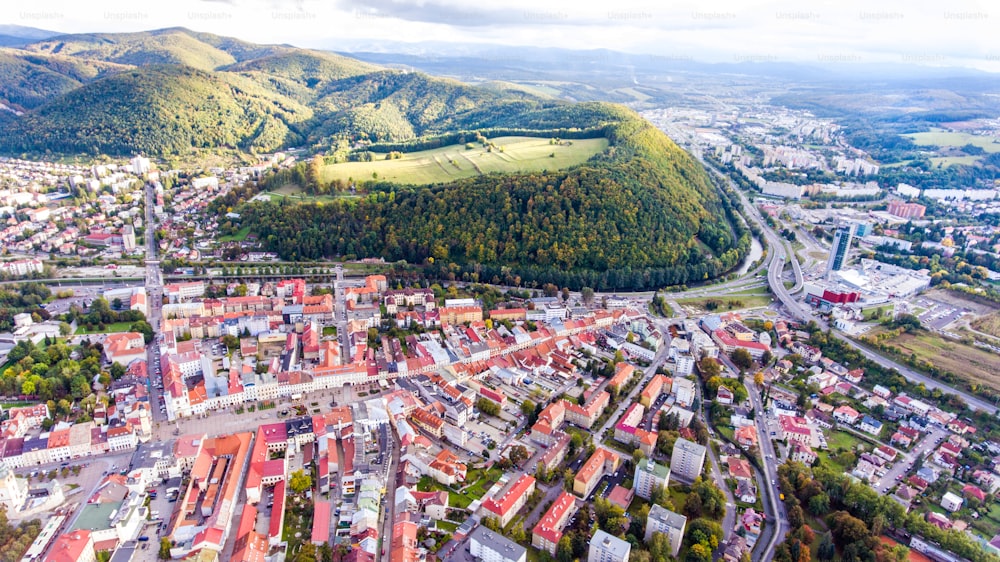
x,y
642,215
108,93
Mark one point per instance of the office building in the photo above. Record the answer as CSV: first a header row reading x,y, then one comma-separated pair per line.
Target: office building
x,y
840,249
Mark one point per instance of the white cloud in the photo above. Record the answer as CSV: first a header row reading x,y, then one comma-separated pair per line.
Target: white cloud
x,y
959,32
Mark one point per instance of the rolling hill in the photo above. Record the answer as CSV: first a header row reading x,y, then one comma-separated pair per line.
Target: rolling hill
x,y
639,214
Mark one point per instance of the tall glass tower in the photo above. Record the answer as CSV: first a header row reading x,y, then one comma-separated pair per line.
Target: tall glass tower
x,y
841,247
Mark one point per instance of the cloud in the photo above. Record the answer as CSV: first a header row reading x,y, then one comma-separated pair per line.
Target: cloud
x,y
921,31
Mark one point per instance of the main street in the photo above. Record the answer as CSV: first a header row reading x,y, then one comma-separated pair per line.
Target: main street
x,y
154,304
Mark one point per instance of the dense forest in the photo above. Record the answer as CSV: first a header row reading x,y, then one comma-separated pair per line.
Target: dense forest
x,y
642,215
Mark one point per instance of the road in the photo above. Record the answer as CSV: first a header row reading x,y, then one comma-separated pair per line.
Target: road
x,y
154,303
388,511
775,512
904,461
729,519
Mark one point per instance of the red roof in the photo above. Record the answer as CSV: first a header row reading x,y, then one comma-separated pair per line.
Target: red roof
x,y
515,493
321,522
547,526
274,530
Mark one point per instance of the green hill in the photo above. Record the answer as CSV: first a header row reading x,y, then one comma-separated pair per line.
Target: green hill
x,y
160,110
642,215
29,79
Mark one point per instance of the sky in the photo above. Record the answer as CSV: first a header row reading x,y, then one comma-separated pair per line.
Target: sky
x,y
949,33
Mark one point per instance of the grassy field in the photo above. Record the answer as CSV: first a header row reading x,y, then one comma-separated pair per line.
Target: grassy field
x,y
108,328
843,440
964,360
240,236
447,163
989,324
944,138
738,301
945,161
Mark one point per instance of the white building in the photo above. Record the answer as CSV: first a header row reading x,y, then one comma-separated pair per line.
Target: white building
x,y
488,546
662,520
605,547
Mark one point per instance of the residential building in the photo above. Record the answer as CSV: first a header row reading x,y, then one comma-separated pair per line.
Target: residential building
x,y
870,425
548,530
952,502
600,463
488,546
605,547
687,459
75,546
511,499
662,520
648,476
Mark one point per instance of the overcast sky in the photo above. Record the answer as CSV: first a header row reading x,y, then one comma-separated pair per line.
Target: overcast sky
x,y
952,32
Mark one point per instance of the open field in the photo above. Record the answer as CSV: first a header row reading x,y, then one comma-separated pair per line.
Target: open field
x,y
108,328
734,301
240,235
520,154
967,361
989,324
944,138
945,161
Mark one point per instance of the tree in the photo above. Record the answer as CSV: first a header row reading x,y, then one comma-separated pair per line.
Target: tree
x,y
299,481
231,342
307,553
564,550
766,357
741,358
587,294
758,378
709,367
518,454
164,548
488,407
326,552
527,408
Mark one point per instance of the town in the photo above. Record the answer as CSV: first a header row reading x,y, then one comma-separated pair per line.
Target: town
x,y
175,393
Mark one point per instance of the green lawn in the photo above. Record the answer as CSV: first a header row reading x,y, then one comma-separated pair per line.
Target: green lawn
x,y
240,236
843,440
329,330
108,328
945,161
447,526
944,138
738,301
455,161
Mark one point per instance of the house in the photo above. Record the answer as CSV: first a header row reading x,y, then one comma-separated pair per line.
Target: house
x,y
870,425
951,502
740,469
746,492
124,347
802,453
938,520
75,546
746,436
724,395
846,414
970,491
795,429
